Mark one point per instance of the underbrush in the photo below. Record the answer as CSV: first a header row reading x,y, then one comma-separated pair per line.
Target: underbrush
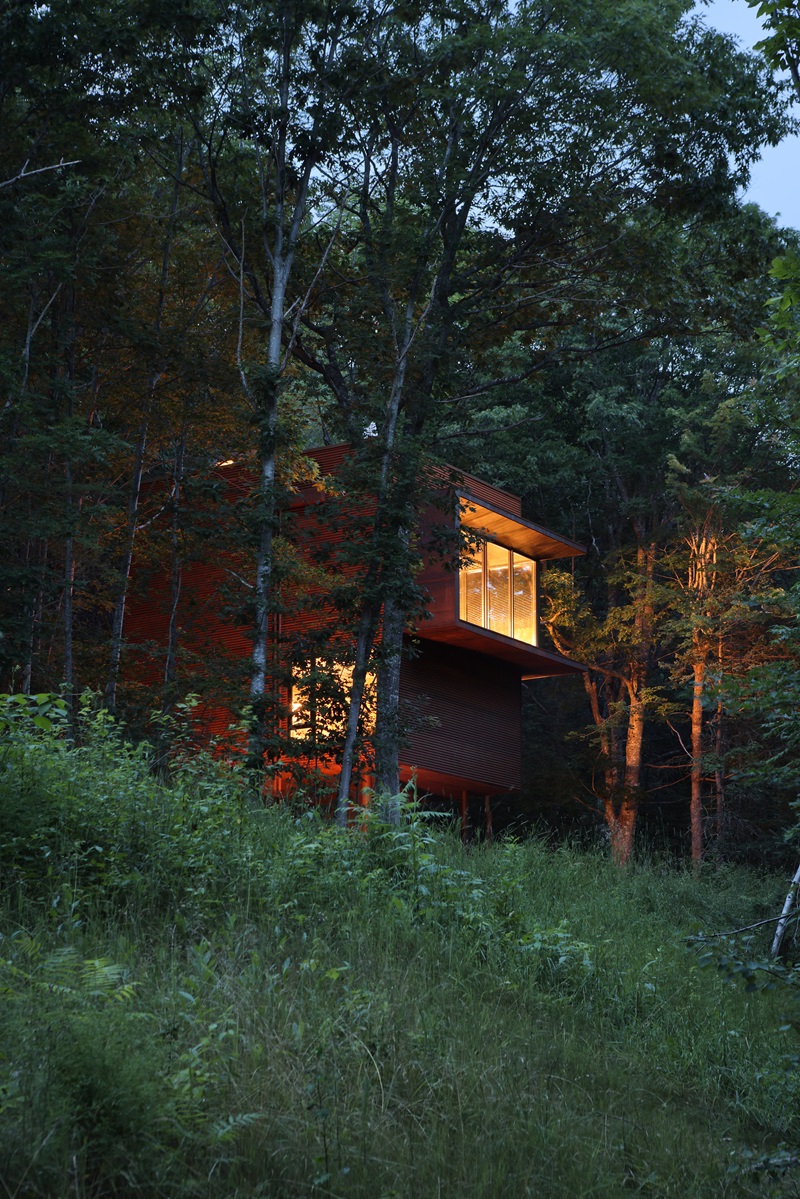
x,y
204,996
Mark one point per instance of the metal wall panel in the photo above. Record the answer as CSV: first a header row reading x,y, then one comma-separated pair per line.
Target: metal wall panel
x,y
467,712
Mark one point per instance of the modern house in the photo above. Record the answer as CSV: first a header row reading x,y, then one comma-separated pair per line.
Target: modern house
x,y
480,642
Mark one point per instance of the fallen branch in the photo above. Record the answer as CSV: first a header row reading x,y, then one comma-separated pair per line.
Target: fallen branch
x,y
734,931
783,919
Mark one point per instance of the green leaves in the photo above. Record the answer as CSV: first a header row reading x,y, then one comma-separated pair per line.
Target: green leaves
x,y
44,711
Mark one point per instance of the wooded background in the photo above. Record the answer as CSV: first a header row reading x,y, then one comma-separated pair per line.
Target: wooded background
x,y
506,237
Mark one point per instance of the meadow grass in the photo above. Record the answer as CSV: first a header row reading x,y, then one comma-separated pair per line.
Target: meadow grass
x,y
206,997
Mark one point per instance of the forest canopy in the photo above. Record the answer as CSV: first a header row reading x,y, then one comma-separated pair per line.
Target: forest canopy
x,y
506,237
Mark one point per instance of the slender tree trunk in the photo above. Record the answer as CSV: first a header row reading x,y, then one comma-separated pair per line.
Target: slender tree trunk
x,y
371,608
118,621
719,746
364,642
36,611
134,493
69,587
634,743
623,833
172,635
387,731
696,803
620,795
69,549
607,747
487,811
789,905
264,392
624,823
719,769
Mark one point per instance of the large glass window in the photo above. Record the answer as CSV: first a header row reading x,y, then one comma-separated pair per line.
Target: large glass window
x,y
497,591
498,594
319,702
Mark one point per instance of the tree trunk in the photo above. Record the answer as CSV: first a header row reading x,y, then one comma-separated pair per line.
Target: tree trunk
x,y
172,635
621,825
364,643
696,803
69,548
601,724
719,745
267,395
36,609
387,730
789,905
719,770
634,743
371,607
118,622
69,590
134,493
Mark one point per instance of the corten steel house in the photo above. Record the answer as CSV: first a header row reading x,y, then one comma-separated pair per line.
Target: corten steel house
x,y
480,643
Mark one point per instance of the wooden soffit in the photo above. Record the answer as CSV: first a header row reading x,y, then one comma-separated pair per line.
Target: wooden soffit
x,y
533,662
515,532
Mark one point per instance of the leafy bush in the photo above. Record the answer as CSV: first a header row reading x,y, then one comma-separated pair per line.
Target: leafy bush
x,y
205,996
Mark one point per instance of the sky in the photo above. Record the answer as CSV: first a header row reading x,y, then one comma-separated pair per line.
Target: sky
x,y
775,180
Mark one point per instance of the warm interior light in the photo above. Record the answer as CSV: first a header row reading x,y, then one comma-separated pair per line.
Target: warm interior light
x,y
497,591
321,711
227,462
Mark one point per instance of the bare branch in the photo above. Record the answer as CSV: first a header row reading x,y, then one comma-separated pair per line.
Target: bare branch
x,y
26,174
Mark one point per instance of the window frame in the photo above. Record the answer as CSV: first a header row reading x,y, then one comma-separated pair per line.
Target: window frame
x,y
484,625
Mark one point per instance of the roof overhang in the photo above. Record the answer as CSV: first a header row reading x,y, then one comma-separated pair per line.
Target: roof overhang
x,y
533,662
513,531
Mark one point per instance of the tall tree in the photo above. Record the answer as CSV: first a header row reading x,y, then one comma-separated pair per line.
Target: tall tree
x,y
269,134
482,212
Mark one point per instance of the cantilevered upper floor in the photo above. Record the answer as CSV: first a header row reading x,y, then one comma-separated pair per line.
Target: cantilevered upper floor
x,y
491,603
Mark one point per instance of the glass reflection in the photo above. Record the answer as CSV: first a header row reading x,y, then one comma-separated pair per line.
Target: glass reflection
x,y
471,590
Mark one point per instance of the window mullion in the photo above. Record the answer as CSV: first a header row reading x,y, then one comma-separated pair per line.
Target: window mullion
x,y
485,588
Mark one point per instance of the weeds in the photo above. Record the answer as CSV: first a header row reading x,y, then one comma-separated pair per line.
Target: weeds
x,y
206,997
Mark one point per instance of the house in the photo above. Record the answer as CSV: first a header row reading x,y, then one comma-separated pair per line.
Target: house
x,y
463,681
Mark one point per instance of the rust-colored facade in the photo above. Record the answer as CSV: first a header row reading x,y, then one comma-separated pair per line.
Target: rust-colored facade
x,y
461,680
466,677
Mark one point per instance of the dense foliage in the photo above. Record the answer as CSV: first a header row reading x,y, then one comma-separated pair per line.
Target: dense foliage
x,y
244,229
204,996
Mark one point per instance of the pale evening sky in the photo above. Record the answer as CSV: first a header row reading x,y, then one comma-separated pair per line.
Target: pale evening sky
x,y
775,179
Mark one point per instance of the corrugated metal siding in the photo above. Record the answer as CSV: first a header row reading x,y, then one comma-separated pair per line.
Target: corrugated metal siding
x,y
493,496
329,457
477,703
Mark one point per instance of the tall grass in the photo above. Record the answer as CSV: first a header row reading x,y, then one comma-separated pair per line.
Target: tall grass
x,y
206,997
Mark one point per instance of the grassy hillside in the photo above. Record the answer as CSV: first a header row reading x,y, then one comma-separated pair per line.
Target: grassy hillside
x,y
205,997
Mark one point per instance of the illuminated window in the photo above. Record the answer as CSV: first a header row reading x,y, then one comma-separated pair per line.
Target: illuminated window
x,y
497,591
319,705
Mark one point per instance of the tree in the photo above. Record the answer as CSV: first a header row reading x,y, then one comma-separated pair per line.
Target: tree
x,y
638,452
481,215
101,320
269,135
